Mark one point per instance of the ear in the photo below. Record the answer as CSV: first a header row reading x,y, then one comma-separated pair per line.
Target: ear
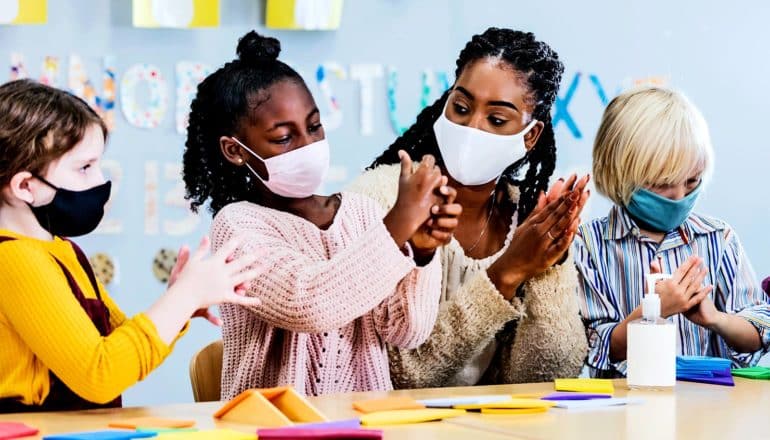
x,y
231,150
22,187
533,135
236,155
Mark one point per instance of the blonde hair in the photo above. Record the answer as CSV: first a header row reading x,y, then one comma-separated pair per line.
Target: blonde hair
x,y
649,136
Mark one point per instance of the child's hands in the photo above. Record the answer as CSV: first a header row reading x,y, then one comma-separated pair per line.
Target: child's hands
x,y
416,195
684,291
214,279
439,228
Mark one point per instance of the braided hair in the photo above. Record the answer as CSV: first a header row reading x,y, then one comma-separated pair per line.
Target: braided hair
x,y
224,100
541,70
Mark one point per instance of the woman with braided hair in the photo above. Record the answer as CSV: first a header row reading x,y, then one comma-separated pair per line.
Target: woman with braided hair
x,y
508,308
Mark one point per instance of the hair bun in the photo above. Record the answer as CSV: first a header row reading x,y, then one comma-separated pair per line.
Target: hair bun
x,y
256,49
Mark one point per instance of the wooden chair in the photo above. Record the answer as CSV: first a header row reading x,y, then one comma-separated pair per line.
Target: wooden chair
x,y
206,372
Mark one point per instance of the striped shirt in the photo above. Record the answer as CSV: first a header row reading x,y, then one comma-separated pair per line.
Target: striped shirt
x,y
613,259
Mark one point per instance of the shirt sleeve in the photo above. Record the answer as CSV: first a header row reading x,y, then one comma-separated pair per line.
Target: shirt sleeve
x,y
598,308
39,306
739,292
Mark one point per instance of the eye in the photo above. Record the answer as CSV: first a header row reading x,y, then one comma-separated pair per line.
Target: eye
x,y
460,109
314,128
282,141
497,122
84,168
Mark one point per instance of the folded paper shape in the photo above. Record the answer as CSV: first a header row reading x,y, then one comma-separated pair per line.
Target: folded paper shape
x,y
752,373
270,407
100,435
559,395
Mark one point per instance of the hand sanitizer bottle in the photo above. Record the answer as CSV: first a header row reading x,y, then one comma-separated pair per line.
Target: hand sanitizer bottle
x,y
651,345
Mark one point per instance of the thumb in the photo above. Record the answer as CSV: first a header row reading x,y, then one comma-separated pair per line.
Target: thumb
x,y
406,163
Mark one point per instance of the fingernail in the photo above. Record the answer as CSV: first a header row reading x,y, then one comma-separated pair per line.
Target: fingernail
x,y
561,179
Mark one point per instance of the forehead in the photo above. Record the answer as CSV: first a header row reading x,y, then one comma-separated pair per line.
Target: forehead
x,y
90,147
283,101
491,79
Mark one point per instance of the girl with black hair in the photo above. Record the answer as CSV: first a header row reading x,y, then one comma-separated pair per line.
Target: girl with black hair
x,y
342,278
509,312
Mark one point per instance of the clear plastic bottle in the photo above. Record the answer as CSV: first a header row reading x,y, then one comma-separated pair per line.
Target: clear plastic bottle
x,y
651,345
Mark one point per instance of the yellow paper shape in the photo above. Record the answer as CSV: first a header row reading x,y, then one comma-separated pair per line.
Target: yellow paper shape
x,y
213,434
23,12
510,411
511,404
404,416
270,407
151,422
300,15
183,14
599,386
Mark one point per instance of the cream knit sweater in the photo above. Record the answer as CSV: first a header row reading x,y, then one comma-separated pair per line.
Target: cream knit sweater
x,y
468,345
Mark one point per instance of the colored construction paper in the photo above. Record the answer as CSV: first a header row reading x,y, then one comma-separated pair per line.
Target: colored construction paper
x,y
575,396
510,404
450,402
596,403
752,373
409,416
337,424
100,435
10,430
319,433
151,422
388,404
211,434
599,386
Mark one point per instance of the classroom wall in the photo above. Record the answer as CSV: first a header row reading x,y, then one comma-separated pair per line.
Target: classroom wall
x,y
606,45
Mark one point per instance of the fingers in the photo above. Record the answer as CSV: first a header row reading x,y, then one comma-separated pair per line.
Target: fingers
x,y
445,223
441,235
542,199
406,163
556,189
246,301
447,210
549,207
428,161
449,193
563,209
181,260
699,296
655,267
245,277
692,272
243,262
212,318
229,248
203,248
580,186
696,281
682,270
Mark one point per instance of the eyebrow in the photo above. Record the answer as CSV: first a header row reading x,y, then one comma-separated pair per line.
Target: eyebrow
x,y
287,123
465,92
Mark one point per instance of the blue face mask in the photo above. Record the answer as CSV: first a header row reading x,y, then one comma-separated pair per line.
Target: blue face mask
x,y
660,214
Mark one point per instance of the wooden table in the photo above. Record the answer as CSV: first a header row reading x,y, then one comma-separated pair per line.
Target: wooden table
x,y
691,411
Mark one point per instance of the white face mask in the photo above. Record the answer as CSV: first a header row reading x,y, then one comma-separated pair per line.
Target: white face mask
x,y
476,157
296,174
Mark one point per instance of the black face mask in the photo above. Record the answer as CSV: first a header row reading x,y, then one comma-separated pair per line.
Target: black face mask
x,y
73,213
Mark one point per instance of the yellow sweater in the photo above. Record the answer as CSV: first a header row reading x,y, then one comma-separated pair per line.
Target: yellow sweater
x,y
43,327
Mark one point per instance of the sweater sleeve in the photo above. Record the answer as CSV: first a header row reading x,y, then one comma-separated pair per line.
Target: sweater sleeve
x,y
304,295
38,304
465,325
406,318
550,340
